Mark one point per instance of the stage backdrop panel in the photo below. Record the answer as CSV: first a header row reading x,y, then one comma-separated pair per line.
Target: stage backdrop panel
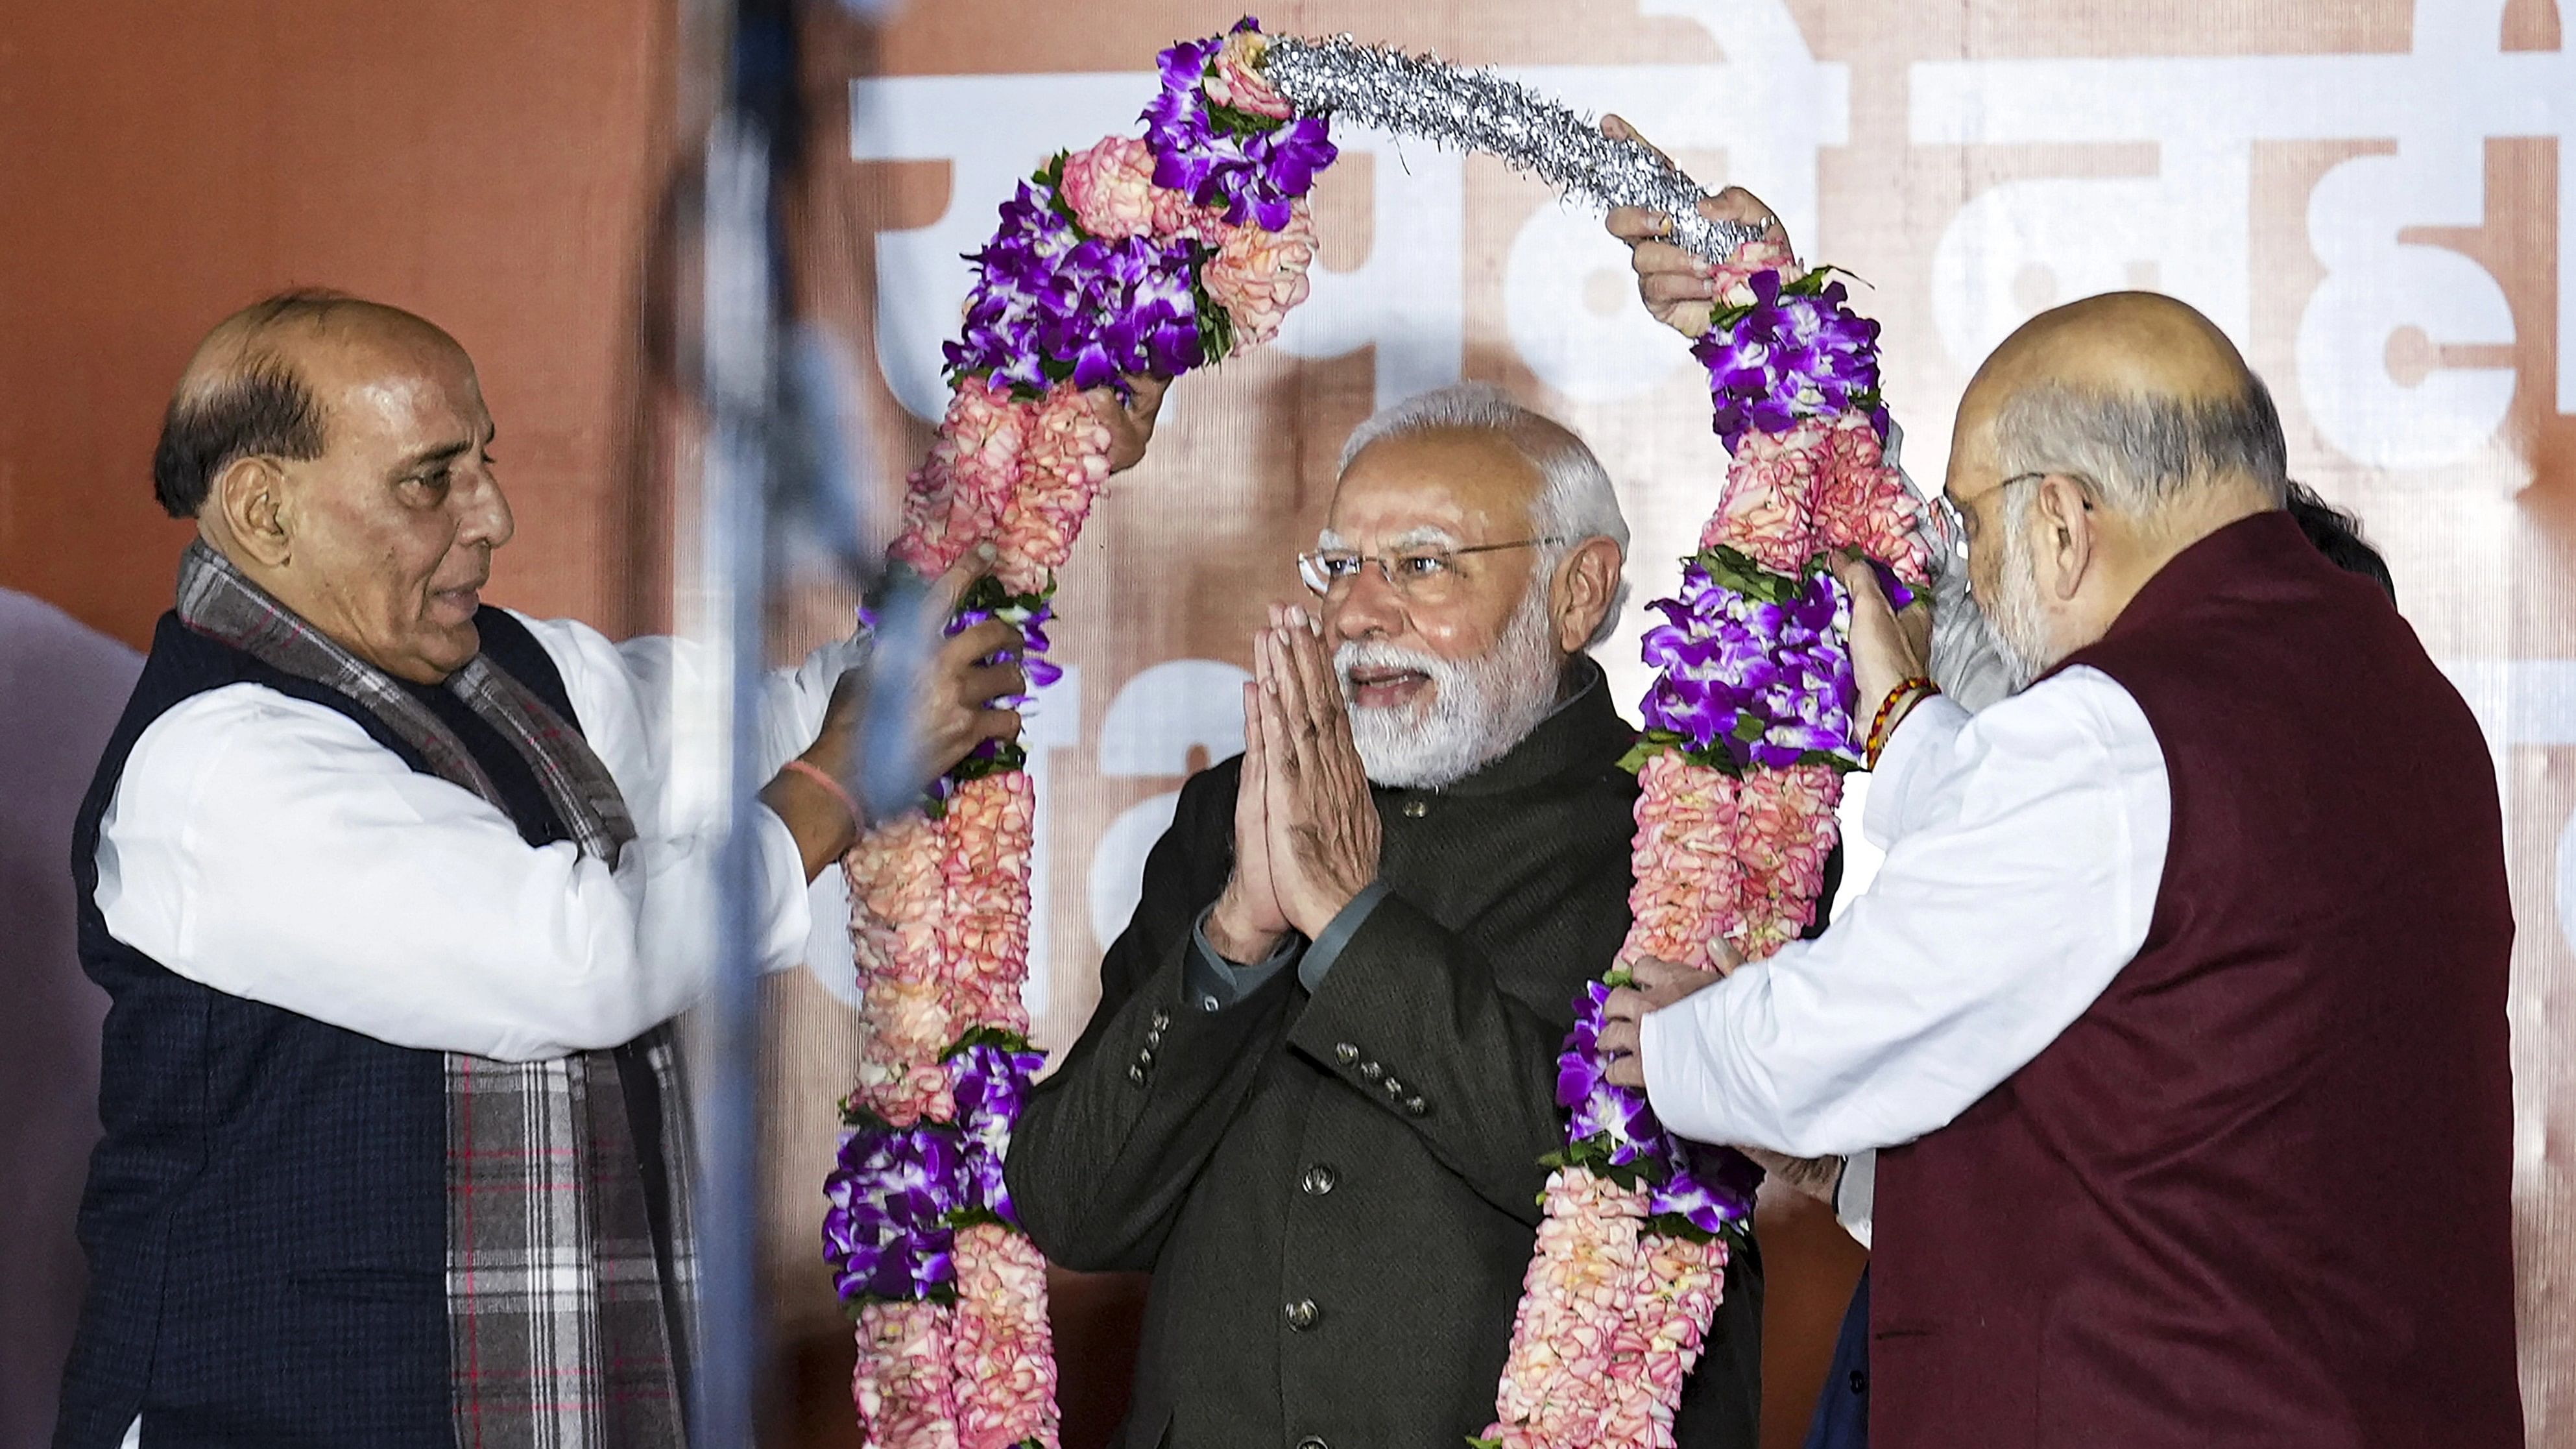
x,y
2370,195
2367,197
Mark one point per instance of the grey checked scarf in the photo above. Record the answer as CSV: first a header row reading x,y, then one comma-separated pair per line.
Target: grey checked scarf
x,y
564,1331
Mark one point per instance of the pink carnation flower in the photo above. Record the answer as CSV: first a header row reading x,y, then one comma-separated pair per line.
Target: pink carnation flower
x,y
983,929
903,1386
1734,276
1258,276
1575,1295
954,497
1111,188
1175,215
1234,78
1066,464
1005,1352
909,1022
1767,512
1862,502
1673,1293
1683,855
1785,831
903,1094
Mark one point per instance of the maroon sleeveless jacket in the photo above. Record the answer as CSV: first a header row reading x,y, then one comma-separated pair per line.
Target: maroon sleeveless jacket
x,y
2258,1193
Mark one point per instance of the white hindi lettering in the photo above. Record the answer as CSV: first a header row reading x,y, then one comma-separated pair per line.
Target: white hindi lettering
x,y
2186,229
1771,102
1771,106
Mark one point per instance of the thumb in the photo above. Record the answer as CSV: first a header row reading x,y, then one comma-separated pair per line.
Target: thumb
x,y
951,588
1862,582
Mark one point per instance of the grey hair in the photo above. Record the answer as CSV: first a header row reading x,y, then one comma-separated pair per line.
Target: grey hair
x,y
1576,500
2141,451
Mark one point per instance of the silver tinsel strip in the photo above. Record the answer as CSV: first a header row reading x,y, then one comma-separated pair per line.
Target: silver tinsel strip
x,y
1476,110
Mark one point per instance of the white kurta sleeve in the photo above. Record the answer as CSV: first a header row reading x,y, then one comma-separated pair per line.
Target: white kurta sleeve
x,y
266,847
628,696
2025,845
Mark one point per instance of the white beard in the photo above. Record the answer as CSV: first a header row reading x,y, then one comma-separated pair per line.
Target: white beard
x,y
1474,712
1968,662
2014,618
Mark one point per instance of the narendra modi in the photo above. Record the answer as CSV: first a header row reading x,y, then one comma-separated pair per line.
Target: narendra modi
x,y
1314,1097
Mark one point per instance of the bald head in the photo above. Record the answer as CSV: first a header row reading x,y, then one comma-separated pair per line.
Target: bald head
x,y
2099,441
339,453
2134,394
250,389
2143,343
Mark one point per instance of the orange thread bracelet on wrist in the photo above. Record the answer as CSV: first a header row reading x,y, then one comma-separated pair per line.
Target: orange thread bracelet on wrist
x,y
1905,693
815,773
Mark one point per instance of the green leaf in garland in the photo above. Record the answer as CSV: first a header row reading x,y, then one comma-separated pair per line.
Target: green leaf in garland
x,y
991,1036
1051,176
1228,121
1737,570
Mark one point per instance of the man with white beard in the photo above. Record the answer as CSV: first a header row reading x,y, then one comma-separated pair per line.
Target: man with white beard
x,y
1314,1097
2180,956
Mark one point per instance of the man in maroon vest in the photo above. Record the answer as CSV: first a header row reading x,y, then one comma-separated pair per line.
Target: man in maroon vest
x,y
2183,982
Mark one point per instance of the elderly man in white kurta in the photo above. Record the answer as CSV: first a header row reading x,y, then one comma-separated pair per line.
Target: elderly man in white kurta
x,y
396,897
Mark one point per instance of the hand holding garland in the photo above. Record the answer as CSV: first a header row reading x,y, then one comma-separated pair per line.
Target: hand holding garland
x,y
1129,418
954,712
1680,287
1888,647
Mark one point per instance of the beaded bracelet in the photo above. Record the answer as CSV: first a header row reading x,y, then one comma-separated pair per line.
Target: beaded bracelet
x,y
1905,693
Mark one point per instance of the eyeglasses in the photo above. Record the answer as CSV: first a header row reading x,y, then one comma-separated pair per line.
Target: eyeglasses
x,y
1952,520
1422,574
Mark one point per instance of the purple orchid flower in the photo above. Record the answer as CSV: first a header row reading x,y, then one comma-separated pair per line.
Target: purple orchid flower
x,y
1790,356
989,1084
1250,168
1100,311
1013,273
1709,1187
886,1230
1613,1117
1767,683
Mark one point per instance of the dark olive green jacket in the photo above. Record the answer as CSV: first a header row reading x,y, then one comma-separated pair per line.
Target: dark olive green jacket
x,y
1336,1191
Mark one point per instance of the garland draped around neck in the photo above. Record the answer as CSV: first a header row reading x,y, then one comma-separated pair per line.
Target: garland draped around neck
x,y
1162,254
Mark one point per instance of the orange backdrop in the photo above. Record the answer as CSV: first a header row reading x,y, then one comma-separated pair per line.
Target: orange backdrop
x,y
2368,194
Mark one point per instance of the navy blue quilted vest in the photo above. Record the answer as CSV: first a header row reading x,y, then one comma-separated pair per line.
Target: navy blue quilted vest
x,y
266,1217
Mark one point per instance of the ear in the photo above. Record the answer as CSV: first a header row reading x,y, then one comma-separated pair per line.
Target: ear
x,y
1585,588
249,497
2069,537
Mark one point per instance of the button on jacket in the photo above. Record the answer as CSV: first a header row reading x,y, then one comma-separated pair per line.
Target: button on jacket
x,y
1333,1176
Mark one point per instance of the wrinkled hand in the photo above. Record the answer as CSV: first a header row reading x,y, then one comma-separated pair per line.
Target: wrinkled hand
x,y
952,709
1887,648
1656,984
956,711
1324,829
1130,421
951,715
1248,921
1677,285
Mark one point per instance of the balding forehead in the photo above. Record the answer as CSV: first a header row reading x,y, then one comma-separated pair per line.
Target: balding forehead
x,y
2135,343
278,328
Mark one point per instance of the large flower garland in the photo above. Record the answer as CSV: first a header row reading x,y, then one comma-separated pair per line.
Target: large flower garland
x,y
1160,254
1134,257
1749,728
